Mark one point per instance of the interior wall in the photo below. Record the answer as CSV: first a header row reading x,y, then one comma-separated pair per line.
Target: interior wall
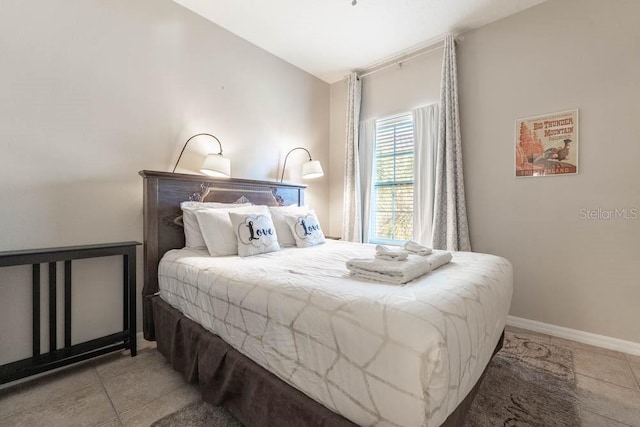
x,y
562,54
91,92
403,87
398,89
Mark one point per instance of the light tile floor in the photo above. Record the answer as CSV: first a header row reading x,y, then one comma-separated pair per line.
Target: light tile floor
x,y
119,390
113,390
608,383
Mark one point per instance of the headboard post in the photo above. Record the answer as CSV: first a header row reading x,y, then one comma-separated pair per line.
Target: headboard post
x,y
162,194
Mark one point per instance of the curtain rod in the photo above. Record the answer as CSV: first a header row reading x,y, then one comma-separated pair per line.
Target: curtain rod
x,y
406,57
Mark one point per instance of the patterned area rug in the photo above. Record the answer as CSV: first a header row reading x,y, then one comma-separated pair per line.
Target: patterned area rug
x,y
199,414
529,383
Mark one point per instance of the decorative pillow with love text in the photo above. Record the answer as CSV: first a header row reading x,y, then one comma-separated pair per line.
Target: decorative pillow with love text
x,y
255,232
285,238
305,229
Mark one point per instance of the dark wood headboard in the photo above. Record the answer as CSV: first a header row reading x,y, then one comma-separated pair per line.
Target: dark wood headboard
x,y
163,193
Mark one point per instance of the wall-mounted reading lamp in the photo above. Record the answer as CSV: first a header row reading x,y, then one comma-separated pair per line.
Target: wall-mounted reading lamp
x,y
311,169
215,165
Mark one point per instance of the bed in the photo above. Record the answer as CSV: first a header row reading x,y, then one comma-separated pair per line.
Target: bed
x,y
286,338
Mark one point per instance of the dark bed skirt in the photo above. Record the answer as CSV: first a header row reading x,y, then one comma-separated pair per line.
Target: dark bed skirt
x,y
254,395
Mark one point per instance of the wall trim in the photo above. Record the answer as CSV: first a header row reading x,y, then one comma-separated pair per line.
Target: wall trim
x,y
140,339
603,341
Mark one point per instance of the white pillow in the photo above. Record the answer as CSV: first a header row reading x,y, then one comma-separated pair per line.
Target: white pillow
x,y
217,231
255,232
305,229
192,236
285,238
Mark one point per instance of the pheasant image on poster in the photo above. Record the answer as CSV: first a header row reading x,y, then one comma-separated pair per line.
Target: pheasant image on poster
x,y
558,153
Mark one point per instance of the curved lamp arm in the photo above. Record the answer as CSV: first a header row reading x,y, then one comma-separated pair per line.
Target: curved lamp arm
x,y
185,146
287,156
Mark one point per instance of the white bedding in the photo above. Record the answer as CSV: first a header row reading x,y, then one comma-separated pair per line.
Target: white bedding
x,y
377,354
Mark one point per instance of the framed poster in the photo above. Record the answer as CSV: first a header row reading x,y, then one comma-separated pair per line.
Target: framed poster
x,y
547,145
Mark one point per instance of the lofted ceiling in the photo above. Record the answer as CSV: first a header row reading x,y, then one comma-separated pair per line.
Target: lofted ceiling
x,y
328,38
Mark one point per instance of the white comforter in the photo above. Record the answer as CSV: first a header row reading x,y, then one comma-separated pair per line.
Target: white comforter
x,y
377,354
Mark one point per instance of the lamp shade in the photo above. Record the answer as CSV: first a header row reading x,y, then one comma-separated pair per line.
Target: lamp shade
x,y
312,169
216,165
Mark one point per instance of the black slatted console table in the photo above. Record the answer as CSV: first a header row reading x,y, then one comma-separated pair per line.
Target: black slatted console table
x,y
55,358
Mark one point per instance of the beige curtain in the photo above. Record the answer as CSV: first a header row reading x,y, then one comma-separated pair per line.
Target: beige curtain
x,y
366,148
425,135
351,216
450,228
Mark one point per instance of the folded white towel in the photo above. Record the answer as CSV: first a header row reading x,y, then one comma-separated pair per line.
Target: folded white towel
x,y
417,248
394,257
397,273
384,253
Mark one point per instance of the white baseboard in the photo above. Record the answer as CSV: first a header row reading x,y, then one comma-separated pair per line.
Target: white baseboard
x,y
603,341
140,338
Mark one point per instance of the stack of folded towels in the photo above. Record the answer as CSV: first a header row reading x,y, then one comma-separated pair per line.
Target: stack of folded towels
x,y
398,266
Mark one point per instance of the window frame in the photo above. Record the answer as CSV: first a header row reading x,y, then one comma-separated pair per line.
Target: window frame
x,y
392,184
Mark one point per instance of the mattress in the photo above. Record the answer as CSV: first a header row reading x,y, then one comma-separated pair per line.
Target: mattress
x,y
376,354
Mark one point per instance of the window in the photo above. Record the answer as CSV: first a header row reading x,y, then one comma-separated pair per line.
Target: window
x,y
392,204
